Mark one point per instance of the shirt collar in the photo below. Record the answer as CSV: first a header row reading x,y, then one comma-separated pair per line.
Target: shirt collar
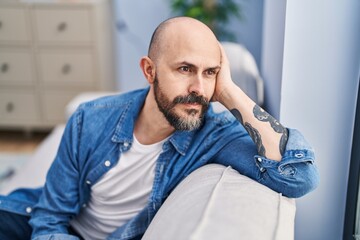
x,y
125,127
181,140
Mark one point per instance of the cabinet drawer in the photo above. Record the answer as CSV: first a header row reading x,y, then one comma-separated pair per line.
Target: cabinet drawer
x,y
15,67
13,25
18,107
54,103
63,25
67,69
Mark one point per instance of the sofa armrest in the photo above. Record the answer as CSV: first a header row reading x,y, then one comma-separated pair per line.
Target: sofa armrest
x,y
216,202
33,173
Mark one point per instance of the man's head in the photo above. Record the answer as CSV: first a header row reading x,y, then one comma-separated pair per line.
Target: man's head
x,y
181,67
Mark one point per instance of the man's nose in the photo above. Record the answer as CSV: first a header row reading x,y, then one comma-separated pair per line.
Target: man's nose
x,y
197,85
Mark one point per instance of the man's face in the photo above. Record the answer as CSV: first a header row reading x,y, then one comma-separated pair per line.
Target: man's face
x,y
192,116
186,64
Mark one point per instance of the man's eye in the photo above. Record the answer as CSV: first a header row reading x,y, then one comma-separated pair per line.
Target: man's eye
x,y
211,72
184,69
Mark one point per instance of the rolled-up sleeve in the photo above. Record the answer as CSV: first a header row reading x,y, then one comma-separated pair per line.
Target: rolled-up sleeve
x,y
294,176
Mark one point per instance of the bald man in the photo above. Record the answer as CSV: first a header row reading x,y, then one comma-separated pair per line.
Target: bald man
x,y
121,156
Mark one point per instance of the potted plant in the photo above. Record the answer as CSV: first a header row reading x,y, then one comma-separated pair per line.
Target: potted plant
x,y
214,13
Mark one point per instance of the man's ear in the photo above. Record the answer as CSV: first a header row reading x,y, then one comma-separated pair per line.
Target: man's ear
x,y
148,68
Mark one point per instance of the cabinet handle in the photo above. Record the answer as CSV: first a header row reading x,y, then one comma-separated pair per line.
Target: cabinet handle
x,y
1,24
4,67
10,107
62,26
66,69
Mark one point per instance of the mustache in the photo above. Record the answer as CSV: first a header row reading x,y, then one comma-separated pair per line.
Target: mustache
x,y
191,98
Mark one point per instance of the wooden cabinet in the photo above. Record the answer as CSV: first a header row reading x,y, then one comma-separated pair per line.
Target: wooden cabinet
x,y
63,25
14,24
50,51
18,106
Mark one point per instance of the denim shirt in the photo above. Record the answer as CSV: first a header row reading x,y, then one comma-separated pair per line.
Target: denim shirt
x,y
100,131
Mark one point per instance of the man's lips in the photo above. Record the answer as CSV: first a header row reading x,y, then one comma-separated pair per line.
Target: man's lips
x,y
192,104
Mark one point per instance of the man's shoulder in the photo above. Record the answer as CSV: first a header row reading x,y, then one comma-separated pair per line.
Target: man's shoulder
x,y
220,126
115,100
219,115
106,113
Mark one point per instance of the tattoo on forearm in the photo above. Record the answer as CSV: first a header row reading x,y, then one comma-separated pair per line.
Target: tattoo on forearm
x,y
254,134
263,116
256,137
283,141
237,115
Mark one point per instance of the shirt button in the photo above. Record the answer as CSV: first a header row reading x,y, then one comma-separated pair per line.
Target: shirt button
x,y
126,144
259,159
84,205
28,210
107,163
88,182
299,155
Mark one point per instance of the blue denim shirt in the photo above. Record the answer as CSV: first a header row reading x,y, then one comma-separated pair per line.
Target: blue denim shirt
x,y
100,131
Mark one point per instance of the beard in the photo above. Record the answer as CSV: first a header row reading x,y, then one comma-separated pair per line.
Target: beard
x,y
193,118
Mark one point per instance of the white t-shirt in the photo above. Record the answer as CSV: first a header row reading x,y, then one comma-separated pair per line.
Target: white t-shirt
x,y
121,193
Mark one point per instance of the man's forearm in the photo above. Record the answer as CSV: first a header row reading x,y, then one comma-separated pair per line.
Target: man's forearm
x,y
267,133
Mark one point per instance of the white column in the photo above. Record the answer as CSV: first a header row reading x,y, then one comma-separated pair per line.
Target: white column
x,y
318,95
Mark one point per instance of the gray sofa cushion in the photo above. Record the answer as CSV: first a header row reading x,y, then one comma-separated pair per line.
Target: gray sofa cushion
x,y
216,202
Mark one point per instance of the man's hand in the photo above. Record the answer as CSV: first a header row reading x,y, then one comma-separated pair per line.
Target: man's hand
x,y
224,82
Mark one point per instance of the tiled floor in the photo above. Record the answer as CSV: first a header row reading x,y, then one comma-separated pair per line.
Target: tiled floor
x,y
20,141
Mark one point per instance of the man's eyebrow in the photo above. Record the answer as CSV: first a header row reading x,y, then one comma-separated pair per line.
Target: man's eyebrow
x,y
215,68
187,64
194,66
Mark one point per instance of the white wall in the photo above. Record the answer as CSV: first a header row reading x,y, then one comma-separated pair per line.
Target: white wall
x,y
248,31
137,19
272,53
318,95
